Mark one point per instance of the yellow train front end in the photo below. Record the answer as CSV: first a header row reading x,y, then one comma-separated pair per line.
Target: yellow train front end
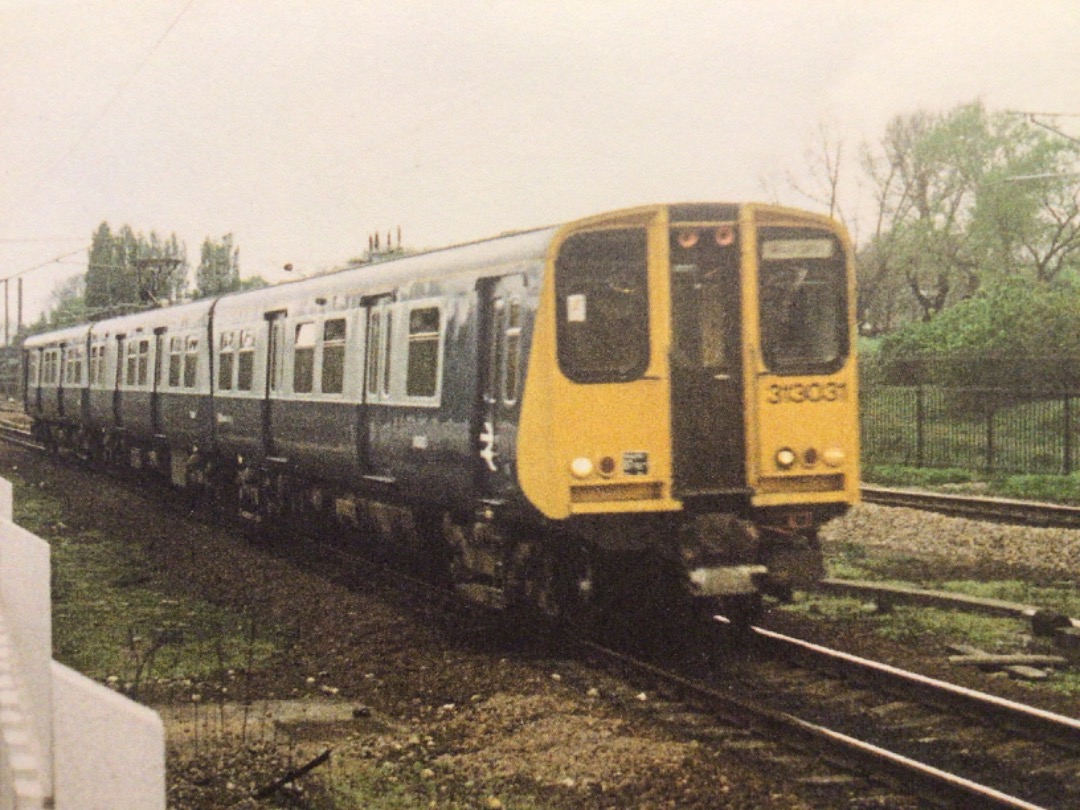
x,y
692,391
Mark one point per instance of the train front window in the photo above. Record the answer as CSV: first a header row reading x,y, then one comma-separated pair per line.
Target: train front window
x,y
803,298
601,281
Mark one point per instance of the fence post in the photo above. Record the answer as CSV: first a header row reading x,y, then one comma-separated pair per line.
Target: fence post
x,y
990,441
920,418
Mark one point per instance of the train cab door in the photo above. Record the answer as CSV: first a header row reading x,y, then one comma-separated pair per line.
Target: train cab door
x,y
708,425
499,382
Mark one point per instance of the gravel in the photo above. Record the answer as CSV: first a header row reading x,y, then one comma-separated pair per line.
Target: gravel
x,y
958,543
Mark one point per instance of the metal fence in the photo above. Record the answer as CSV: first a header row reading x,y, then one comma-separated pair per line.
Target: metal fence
x,y
993,430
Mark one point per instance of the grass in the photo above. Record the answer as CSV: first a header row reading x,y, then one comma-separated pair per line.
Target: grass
x,y
1064,489
926,628
917,626
162,636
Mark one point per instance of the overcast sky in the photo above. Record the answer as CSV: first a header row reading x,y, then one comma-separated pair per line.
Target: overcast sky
x,y
302,125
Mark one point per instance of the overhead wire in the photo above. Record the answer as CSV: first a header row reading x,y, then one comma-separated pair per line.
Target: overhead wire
x,y
119,91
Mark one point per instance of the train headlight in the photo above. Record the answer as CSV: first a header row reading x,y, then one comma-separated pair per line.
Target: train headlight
x,y
606,466
810,457
833,457
581,467
786,458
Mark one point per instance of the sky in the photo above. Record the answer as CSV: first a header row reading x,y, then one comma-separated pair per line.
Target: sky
x,y
301,127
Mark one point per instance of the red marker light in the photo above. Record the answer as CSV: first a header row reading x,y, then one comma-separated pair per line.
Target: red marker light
x,y
688,238
724,236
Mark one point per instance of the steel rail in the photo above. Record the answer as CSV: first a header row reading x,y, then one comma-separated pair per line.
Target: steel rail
x,y
20,437
1002,510
1042,725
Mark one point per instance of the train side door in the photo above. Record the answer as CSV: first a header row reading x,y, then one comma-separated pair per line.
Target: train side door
x,y
157,421
708,426
275,375
117,392
499,378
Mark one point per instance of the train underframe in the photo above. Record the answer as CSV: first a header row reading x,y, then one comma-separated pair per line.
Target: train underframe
x,y
713,558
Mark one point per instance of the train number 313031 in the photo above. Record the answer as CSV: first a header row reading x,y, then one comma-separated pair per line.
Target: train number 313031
x,y
797,392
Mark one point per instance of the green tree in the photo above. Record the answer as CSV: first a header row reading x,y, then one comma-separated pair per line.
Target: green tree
x,y
1026,220
964,198
128,271
219,268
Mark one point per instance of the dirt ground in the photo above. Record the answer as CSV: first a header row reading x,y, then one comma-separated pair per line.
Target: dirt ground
x,y
416,710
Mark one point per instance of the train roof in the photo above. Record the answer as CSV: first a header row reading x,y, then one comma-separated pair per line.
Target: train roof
x,y
385,276
66,335
508,249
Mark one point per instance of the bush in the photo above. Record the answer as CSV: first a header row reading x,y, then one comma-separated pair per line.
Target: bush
x,y
1011,336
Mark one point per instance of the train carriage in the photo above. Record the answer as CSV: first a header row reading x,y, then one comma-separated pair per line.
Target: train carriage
x,y
668,388
54,374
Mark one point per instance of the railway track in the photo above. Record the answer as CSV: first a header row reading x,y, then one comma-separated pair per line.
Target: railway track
x,y
1004,510
922,739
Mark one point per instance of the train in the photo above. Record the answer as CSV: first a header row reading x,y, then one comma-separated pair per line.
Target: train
x,y
656,400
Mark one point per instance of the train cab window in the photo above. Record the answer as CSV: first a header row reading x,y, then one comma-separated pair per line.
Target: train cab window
x,y
304,358
422,366
601,282
333,356
245,361
705,299
191,361
226,357
512,353
803,294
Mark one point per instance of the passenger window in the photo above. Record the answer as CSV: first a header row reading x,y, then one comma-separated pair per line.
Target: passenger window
x,y
422,375
225,361
132,363
304,358
73,366
191,362
245,361
601,284
176,361
144,361
32,369
333,356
